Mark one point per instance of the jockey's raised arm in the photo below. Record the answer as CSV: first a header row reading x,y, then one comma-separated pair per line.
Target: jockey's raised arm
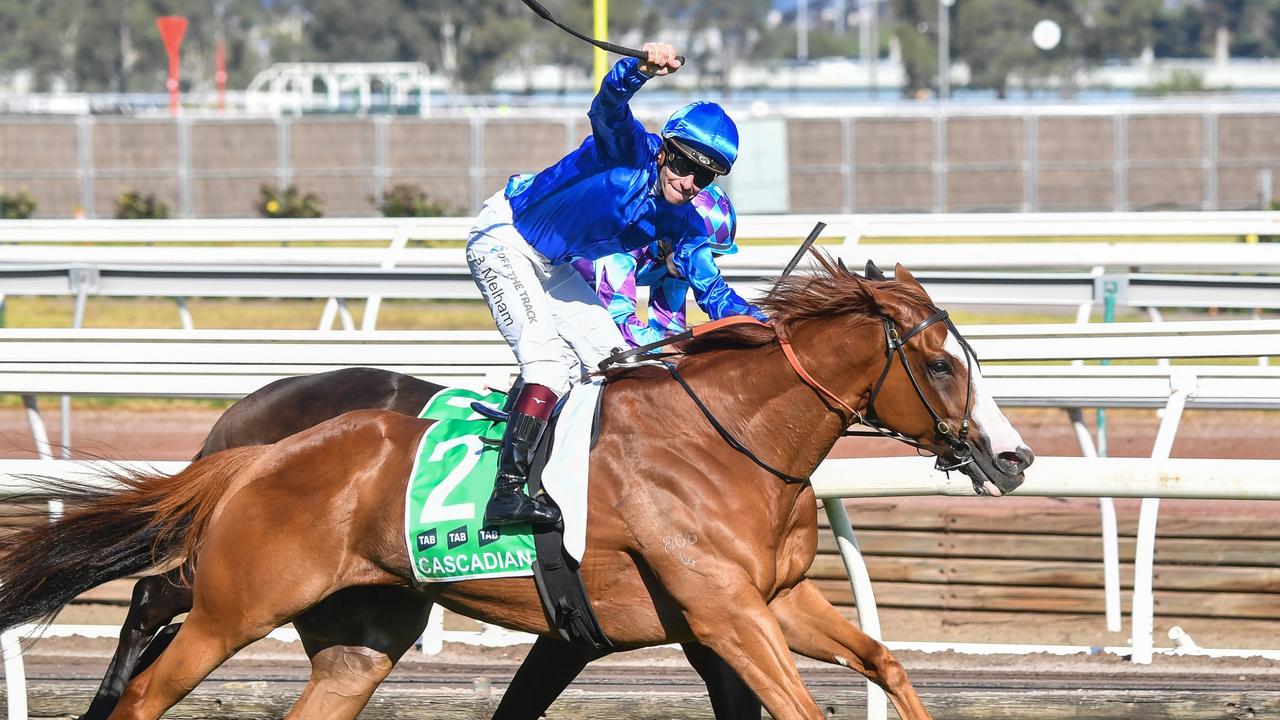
x,y
618,136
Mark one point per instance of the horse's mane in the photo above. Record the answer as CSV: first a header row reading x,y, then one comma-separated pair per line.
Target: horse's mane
x,y
832,290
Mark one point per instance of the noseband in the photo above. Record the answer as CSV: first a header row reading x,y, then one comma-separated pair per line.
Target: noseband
x,y
949,442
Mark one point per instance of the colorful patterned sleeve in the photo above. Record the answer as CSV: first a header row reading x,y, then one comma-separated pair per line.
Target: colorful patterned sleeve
x,y
616,287
666,306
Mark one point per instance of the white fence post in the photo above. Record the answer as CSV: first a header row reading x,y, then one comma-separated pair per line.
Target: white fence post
x,y
39,433
1183,384
1110,530
432,639
863,595
329,315
374,302
15,679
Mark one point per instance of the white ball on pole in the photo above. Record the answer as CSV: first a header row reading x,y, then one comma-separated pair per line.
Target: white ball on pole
x,y
1046,34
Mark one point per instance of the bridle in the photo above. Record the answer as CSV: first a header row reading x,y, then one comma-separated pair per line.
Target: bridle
x,y
949,442
895,344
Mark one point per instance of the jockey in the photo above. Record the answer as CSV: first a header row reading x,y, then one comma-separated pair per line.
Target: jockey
x,y
667,273
620,190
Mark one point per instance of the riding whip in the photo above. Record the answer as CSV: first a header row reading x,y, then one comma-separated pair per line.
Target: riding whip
x,y
804,247
545,14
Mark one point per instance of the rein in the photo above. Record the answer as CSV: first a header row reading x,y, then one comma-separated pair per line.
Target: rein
x,y
728,437
894,345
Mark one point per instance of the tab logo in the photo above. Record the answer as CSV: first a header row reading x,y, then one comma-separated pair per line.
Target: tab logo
x,y
489,535
427,540
457,536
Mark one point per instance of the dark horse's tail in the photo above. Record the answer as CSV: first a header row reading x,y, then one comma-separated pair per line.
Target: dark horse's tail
x,y
105,533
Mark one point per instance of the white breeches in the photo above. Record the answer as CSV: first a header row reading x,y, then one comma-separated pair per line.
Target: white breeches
x,y
549,315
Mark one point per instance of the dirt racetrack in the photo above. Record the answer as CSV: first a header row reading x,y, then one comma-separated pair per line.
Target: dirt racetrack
x,y
465,683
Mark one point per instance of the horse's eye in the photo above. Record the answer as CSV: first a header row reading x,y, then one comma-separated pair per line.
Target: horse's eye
x,y
940,367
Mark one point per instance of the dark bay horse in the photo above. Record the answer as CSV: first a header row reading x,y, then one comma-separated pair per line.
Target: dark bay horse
x,y
309,529
289,406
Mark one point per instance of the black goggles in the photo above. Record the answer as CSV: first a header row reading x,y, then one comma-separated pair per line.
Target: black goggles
x,y
682,165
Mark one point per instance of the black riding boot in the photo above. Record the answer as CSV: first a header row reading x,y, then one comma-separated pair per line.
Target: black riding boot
x,y
510,503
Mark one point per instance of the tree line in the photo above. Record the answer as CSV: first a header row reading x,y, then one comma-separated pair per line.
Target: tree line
x,y
113,45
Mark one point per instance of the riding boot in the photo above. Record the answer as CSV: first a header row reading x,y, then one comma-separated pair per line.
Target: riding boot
x,y
510,503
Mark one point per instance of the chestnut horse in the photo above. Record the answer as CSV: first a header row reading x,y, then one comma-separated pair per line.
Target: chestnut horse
x,y
309,529
291,405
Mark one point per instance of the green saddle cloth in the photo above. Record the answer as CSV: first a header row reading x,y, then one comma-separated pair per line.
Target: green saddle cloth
x,y
449,486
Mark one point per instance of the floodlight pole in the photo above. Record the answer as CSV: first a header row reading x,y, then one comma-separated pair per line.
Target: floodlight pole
x,y
802,30
869,42
864,34
944,48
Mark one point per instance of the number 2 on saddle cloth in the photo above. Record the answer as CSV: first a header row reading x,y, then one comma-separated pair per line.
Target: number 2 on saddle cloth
x,y
444,506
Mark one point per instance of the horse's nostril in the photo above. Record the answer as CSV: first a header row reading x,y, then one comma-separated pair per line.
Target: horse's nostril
x,y
1026,456
1019,459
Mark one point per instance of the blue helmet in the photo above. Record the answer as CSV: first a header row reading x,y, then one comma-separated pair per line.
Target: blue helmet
x,y
704,132
717,212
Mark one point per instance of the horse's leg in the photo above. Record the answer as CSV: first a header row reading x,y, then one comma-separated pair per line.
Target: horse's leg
x,y
156,600
343,678
816,629
204,642
731,698
552,664
354,638
746,635
546,671
725,612
237,600
156,646
241,592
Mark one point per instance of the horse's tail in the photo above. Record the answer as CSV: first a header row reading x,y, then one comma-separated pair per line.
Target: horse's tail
x,y
106,531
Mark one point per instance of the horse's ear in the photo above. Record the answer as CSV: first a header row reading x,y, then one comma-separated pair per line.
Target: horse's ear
x,y
873,272
889,297
902,274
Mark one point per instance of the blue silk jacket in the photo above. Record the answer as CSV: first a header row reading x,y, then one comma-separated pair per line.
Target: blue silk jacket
x,y
603,198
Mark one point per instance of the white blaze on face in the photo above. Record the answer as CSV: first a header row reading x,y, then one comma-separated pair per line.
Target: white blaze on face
x,y
988,417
